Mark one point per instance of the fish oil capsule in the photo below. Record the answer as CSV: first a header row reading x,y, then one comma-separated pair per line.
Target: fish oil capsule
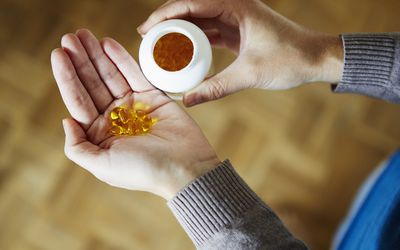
x,y
130,121
129,128
147,120
114,115
117,123
125,127
115,130
140,113
124,116
146,127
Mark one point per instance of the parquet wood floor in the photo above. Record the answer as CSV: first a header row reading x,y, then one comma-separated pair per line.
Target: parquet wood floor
x,y
304,151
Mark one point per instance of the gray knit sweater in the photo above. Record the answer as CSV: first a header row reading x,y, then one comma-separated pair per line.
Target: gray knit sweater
x,y
219,211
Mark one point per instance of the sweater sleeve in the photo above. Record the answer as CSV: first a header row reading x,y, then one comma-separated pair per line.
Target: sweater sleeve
x,y
219,211
371,65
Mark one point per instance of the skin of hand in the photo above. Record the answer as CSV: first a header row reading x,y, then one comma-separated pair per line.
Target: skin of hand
x,y
93,77
272,52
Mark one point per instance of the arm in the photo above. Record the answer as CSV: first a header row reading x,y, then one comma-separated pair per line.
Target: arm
x,y
282,54
219,211
371,65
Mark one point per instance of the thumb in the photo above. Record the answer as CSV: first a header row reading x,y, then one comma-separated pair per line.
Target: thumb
x,y
77,148
74,134
232,79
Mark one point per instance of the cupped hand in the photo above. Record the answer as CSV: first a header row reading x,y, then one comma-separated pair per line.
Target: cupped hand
x,y
94,77
273,52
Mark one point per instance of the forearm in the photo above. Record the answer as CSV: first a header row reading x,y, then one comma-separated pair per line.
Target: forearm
x,y
219,211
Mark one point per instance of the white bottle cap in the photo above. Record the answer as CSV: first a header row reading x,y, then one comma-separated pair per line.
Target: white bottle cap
x,y
190,76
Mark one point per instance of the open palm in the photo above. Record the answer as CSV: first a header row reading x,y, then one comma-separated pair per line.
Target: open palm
x,y
93,78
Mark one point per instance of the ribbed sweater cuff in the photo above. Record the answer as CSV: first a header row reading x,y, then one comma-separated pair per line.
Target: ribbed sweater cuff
x,y
368,65
212,202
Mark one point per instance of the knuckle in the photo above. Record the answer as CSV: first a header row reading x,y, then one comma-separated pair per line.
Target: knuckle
x,y
79,100
253,59
95,58
68,76
99,176
94,84
217,89
68,152
125,58
110,183
110,75
84,66
103,176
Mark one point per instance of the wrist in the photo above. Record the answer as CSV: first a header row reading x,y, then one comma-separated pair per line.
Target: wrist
x,y
329,66
187,173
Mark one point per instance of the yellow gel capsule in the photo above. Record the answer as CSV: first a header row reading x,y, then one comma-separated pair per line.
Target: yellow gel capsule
x,y
114,115
115,130
145,127
124,116
140,113
141,106
147,119
132,128
130,121
116,123
132,112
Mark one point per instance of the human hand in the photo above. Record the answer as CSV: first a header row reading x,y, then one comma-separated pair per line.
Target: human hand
x,y
95,77
273,52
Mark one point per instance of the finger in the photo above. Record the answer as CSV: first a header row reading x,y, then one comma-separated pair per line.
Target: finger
x,y
235,77
215,38
86,72
205,23
179,9
126,65
228,37
210,26
167,2
106,69
78,149
159,7
76,98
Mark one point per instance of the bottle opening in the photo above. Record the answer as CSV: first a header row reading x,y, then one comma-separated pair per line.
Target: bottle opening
x,y
173,51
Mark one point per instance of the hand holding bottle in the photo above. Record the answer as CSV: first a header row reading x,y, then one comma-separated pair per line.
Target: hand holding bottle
x,y
273,52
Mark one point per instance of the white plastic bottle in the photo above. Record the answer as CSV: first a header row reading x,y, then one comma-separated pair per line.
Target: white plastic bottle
x,y
175,56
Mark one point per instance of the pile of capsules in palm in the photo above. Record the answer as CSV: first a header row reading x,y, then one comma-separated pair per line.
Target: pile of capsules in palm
x,y
130,121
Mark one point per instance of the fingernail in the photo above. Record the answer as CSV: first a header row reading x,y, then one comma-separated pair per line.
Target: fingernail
x,y
139,29
78,31
54,51
192,99
64,121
